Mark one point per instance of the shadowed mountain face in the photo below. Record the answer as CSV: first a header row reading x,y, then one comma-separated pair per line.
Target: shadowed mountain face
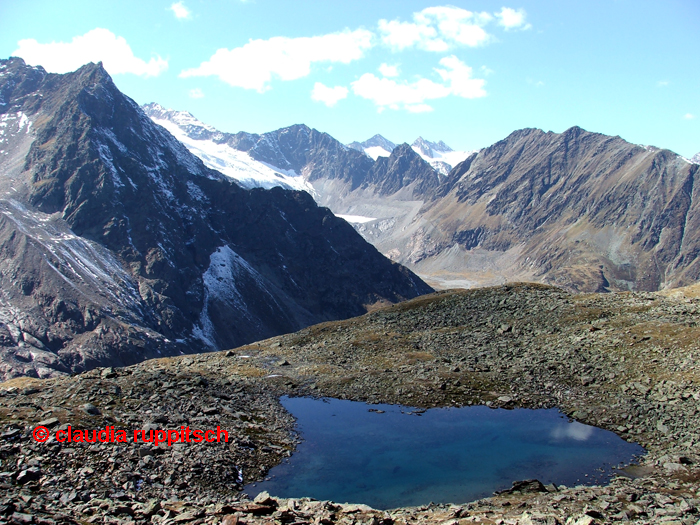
x,y
118,244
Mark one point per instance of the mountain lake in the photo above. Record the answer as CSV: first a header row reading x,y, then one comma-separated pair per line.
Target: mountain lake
x,y
388,456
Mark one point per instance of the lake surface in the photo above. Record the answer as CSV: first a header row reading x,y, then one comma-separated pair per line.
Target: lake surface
x,y
407,456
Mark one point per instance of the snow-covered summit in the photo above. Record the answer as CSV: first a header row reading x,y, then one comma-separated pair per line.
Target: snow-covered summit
x,y
184,120
439,155
696,158
432,150
374,147
209,144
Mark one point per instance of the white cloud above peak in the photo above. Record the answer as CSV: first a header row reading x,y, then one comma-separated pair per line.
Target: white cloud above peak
x,y
98,45
180,11
254,65
512,19
387,93
328,95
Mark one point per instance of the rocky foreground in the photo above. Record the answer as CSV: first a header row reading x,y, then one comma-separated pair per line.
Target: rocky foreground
x,y
625,362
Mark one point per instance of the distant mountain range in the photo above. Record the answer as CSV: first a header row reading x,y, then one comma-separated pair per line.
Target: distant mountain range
x,y
117,244
438,154
582,210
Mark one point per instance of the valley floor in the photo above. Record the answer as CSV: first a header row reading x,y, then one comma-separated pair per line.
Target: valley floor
x,y
626,362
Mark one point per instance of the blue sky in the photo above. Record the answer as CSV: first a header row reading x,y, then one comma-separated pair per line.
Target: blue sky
x,y
466,72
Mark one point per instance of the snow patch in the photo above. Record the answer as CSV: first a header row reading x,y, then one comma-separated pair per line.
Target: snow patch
x,y
227,271
377,151
14,123
357,219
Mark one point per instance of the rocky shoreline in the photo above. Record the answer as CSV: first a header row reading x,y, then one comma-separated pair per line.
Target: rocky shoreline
x,y
625,362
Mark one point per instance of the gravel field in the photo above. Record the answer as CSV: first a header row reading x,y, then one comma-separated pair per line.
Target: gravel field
x,y
625,362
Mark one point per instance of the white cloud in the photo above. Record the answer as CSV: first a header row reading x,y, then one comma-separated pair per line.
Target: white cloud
x,y
254,65
689,116
437,29
180,10
412,96
328,95
512,19
196,93
662,83
389,71
388,93
94,46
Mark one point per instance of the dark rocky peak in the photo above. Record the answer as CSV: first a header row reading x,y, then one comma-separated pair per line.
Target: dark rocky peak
x,y
31,89
97,148
526,146
306,151
379,141
17,81
428,148
280,148
402,168
357,146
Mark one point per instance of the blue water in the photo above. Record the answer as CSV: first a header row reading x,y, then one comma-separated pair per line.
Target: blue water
x,y
403,457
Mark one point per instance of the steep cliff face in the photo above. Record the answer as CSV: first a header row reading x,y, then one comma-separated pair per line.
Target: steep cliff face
x,y
403,168
120,244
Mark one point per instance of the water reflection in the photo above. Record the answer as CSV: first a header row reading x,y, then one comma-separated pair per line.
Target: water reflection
x,y
574,430
389,457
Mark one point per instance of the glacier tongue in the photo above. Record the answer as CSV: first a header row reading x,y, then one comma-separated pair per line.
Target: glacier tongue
x,y
238,165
